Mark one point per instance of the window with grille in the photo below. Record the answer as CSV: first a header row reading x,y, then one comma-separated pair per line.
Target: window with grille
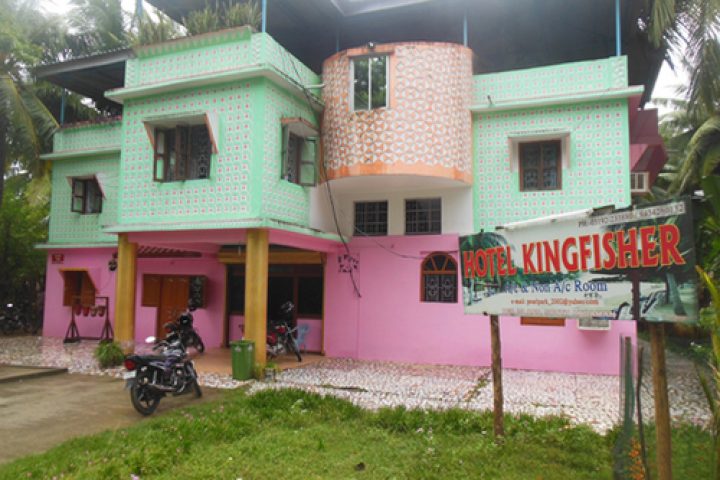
x,y
86,196
370,82
439,278
371,218
423,216
182,152
541,165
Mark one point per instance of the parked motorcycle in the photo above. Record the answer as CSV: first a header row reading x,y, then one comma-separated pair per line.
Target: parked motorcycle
x,y
17,318
188,335
151,377
281,336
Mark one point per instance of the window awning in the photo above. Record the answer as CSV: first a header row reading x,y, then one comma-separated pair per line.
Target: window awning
x,y
171,120
300,127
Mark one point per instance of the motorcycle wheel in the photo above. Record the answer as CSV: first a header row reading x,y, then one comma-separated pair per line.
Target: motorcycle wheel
x,y
196,389
144,401
292,347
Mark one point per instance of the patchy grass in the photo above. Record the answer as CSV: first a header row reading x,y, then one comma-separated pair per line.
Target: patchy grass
x,y
291,434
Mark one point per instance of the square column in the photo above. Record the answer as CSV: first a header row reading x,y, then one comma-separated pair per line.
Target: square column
x,y
125,288
256,291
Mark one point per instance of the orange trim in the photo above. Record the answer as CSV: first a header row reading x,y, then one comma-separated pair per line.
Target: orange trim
x,y
379,168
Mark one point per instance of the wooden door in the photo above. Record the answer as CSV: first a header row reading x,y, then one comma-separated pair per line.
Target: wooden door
x,y
173,301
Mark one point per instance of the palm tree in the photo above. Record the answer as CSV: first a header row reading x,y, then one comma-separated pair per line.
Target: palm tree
x,y
100,25
689,28
25,123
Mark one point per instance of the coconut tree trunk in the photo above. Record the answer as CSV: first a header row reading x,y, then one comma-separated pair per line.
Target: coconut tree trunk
x,y
3,157
673,293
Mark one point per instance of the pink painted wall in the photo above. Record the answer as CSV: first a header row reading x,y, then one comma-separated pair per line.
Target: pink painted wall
x,y
57,317
208,321
390,323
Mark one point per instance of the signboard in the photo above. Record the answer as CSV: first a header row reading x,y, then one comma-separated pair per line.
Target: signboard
x,y
586,265
57,258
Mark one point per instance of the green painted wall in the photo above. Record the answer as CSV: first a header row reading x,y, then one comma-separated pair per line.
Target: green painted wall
x,y
227,193
598,173
282,200
88,136
213,53
69,227
555,80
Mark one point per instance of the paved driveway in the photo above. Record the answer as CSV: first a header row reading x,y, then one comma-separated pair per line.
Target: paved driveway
x,y
40,412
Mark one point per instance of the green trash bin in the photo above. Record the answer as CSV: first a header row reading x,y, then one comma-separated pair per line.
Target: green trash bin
x,y
243,359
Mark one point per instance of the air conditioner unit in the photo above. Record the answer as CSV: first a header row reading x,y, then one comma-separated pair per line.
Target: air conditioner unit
x,y
593,324
639,182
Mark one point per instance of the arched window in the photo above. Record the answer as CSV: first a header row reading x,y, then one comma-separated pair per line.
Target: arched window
x,y
439,278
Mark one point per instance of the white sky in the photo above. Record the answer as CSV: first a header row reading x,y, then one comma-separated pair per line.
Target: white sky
x,y
665,86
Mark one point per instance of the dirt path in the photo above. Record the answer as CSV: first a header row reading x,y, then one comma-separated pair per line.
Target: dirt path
x,y
38,413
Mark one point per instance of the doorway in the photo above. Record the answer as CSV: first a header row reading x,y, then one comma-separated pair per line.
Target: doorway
x,y
173,301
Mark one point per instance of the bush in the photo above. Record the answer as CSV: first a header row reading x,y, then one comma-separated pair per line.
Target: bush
x,y
109,354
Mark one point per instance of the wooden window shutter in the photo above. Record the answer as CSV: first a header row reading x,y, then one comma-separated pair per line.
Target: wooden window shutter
x,y
151,290
308,162
284,151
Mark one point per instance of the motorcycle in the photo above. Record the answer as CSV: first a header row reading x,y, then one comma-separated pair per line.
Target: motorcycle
x,y
188,335
150,377
281,336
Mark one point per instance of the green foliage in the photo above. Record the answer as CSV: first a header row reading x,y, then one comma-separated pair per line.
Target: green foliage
x,y
23,223
109,354
151,31
244,13
223,15
292,434
98,25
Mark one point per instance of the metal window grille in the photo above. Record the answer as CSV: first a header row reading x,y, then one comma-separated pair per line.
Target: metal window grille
x,y
371,218
423,216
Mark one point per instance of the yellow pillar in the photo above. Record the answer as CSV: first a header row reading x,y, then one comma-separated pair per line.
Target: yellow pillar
x,y
256,287
125,293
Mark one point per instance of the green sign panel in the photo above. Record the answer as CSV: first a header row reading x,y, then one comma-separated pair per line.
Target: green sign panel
x,y
586,265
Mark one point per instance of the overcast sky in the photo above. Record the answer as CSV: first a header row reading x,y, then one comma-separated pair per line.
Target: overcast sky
x,y
665,86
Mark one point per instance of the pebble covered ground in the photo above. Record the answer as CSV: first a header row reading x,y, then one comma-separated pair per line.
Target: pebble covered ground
x,y
590,399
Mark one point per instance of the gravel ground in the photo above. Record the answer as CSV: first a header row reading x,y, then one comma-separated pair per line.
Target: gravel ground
x,y
588,399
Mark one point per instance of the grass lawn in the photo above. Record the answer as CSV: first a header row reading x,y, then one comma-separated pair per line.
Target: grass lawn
x,y
289,434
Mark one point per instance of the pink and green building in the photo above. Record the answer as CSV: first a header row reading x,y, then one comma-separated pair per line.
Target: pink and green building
x,y
249,168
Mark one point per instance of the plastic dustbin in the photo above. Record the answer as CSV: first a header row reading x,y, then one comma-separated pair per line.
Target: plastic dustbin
x,y
243,359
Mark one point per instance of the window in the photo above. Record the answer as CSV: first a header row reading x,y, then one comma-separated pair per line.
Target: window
x,y
439,278
423,216
182,153
540,165
639,182
370,82
543,321
371,218
86,196
78,287
299,151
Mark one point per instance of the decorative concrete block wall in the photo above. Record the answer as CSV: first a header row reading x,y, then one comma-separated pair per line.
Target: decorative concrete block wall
x,y
88,136
599,166
227,193
425,130
551,81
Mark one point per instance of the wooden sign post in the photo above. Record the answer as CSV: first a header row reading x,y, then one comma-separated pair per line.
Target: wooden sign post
x,y
662,406
498,421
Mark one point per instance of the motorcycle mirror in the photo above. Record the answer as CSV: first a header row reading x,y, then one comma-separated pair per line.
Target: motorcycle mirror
x,y
150,339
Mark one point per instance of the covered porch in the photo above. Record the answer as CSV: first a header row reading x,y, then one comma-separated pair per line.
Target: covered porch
x,y
235,275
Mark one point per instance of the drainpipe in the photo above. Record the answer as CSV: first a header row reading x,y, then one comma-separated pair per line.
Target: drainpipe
x,y
62,106
618,40
264,16
465,30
